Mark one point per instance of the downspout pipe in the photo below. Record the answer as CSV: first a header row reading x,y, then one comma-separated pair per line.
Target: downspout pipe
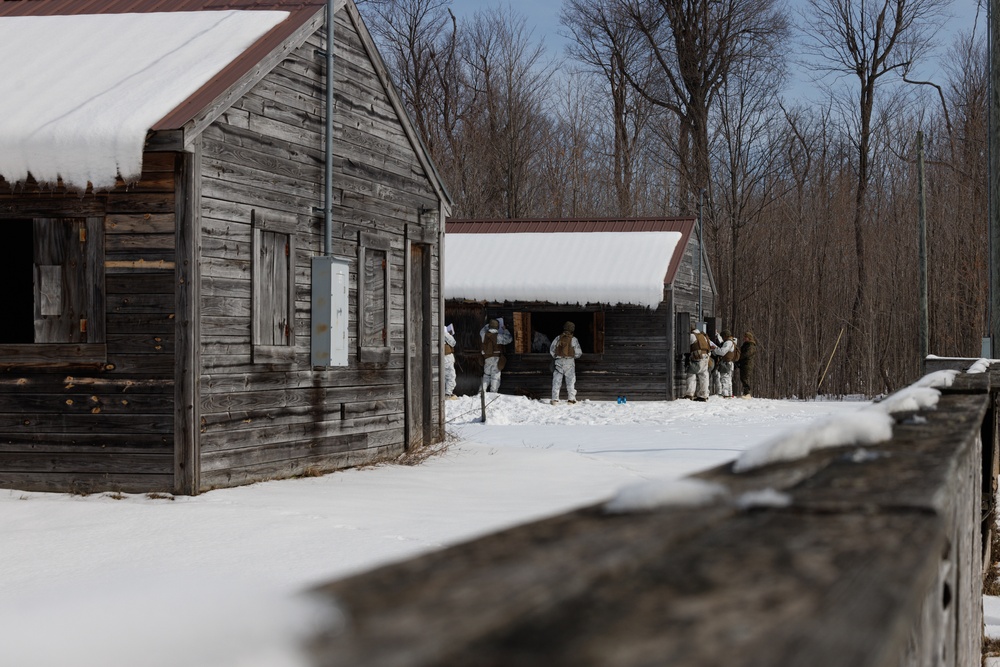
x,y
701,253
328,148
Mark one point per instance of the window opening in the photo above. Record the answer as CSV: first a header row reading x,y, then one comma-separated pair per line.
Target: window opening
x,y
535,330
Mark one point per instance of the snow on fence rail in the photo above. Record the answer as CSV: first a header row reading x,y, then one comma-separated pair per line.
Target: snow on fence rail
x,y
854,555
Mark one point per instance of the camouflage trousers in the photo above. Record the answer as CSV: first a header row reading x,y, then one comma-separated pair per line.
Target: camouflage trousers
x,y
697,379
491,374
450,378
565,370
725,369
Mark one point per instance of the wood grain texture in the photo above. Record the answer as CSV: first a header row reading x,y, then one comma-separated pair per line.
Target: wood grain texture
x,y
874,561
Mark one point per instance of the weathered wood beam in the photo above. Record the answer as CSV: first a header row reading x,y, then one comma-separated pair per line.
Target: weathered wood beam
x,y
874,559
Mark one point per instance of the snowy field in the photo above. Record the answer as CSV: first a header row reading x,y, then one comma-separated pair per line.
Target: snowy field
x,y
215,579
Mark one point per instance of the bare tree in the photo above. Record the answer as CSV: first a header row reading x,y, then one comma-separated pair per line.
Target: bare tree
x,y
574,168
605,43
868,41
510,79
692,46
410,33
745,163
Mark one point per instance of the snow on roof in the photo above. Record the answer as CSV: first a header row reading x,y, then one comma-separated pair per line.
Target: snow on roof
x,y
80,92
566,268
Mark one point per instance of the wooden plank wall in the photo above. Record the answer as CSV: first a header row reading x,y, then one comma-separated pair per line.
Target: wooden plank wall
x,y
634,364
109,427
265,154
686,283
686,301
873,558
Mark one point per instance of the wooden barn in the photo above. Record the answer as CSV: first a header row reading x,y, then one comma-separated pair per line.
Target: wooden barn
x,y
631,287
253,291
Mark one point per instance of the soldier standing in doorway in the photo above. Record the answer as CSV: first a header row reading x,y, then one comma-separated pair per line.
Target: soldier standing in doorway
x,y
566,350
697,379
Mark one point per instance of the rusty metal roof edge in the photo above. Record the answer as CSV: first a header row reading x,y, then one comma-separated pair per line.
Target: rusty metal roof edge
x,y
242,66
79,7
563,225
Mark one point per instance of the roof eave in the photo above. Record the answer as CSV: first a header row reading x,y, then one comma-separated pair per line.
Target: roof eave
x,y
203,107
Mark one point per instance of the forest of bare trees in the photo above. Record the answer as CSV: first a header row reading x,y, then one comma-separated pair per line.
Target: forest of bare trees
x,y
808,191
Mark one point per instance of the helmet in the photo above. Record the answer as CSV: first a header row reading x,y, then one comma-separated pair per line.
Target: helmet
x,y
569,326
494,324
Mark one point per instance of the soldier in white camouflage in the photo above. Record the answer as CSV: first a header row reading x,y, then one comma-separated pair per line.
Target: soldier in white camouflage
x,y
494,337
697,378
566,350
450,378
725,354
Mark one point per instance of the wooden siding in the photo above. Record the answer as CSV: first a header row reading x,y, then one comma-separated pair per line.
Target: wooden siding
x,y
686,283
264,157
68,426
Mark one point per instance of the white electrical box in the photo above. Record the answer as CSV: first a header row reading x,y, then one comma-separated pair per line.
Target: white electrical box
x,y
331,279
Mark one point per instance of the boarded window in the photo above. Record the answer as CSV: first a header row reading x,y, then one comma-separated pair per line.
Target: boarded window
x,y
535,330
374,254
53,275
273,291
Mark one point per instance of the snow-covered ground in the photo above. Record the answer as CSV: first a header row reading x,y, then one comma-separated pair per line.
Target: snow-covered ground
x,y
216,579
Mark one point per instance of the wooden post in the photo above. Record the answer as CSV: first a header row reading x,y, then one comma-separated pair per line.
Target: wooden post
x,y
187,358
994,177
829,361
922,226
482,401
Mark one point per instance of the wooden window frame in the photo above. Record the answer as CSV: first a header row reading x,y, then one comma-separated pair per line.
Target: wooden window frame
x,y
376,354
94,351
263,353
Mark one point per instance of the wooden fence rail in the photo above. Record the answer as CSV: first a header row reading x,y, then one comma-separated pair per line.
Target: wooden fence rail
x,y
876,559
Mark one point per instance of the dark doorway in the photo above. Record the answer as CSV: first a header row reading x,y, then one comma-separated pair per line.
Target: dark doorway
x,y
17,274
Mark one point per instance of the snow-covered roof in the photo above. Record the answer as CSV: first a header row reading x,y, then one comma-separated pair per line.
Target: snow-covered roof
x,y
80,92
562,268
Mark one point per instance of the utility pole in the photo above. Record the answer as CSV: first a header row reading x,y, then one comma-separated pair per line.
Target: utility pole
x,y
994,178
922,226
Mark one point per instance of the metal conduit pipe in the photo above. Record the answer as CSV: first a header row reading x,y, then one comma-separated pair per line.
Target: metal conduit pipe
x,y
328,148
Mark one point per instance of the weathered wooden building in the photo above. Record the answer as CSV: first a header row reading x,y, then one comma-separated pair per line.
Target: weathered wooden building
x,y
234,314
631,287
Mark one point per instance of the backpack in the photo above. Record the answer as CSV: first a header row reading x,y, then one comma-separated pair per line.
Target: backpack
x,y
733,355
490,345
564,348
700,347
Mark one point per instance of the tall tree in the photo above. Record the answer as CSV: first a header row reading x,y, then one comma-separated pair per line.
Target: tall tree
x,y
691,47
510,80
411,32
605,43
868,40
746,157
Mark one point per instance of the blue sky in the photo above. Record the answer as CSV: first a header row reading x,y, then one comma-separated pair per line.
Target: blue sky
x,y
543,18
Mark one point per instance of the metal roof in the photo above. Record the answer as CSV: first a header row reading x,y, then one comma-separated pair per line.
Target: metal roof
x,y
555,225
71,7
300,11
